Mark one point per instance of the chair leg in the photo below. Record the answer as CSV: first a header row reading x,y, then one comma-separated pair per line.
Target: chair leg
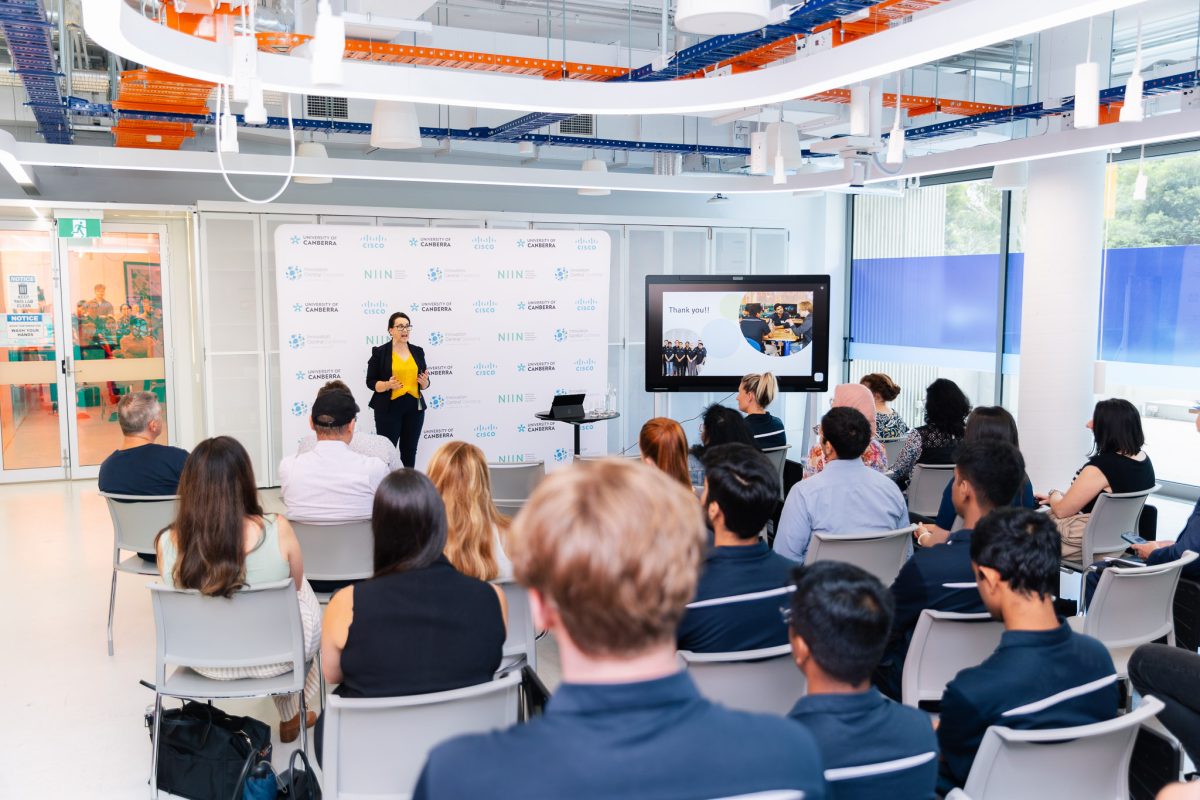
x,y
1082,603
112,604
303,722
154,745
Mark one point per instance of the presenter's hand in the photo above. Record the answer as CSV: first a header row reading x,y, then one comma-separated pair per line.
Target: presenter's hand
x,y
423,380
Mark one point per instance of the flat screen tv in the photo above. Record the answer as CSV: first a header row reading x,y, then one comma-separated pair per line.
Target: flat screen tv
x,y
704,332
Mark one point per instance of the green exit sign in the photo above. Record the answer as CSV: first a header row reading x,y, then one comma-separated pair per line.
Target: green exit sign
x,y
78,228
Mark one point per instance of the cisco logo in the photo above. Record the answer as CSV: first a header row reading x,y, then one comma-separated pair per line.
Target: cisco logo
x,y
294,273
374,308
561,273
587,304
485,306
299,408
486,431
587,243
560,335
373,241
509,399
437,401
434,274
485,369
585,365
483,243
296,341
436,338
561,454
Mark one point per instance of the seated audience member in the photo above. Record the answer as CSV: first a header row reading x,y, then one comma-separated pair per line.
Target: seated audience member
x,y
839,617
946,409
609,551
139,466
755,393
845,497
986,475
663,444
720,425
1042,674
419,625
221,541
888,423
331,483
367,444
753,327
1171,674
476,530
1189,539
1119,465
856,396
1180,791
985,422
741,487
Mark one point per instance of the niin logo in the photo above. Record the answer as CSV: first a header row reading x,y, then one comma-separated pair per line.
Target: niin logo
x,y
377,339
587,304
484,243
538,366
294,273
508,399
486,431
295,240
436,338
299,408
437,401
585,243
297,307
585,365
373,241
485,306
561,273
561,454
296,341
542,244
541,305
434,274
517,458
384,274
318,241
438,433
512,336
560,335
515,274
485,369
440,369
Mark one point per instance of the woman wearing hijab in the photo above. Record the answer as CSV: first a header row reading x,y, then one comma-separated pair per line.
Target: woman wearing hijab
x,y
858,397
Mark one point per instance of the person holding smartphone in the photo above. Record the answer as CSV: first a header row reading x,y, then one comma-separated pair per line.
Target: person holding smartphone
x,y
396,376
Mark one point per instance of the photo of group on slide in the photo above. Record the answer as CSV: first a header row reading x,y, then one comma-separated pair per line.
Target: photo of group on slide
x,y
680,358
777,323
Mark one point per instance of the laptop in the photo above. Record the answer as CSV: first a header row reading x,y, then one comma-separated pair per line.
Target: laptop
x,y
565,406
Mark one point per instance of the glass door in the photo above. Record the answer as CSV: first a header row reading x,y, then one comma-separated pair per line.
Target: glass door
x,y
33,429
113,287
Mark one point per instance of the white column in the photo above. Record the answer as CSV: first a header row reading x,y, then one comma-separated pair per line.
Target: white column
x,y
1064,229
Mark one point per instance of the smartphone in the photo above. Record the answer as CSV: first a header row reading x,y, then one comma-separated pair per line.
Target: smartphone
x,y
1133,538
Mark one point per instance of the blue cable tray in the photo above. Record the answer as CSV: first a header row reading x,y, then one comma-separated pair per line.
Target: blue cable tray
x,y
24,25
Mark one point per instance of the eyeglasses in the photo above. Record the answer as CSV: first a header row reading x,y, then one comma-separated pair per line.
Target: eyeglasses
x,y
402,327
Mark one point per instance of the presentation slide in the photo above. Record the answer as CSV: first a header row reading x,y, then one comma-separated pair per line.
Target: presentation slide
x,y
704,332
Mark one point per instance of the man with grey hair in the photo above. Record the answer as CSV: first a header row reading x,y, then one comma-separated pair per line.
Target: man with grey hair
x,y
139,466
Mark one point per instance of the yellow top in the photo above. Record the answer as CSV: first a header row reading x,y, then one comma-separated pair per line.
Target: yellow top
x,y
405,370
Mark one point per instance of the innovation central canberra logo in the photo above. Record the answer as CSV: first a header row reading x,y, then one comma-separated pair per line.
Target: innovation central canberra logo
x,y
434,274
296,341
294,272
561,273
299,408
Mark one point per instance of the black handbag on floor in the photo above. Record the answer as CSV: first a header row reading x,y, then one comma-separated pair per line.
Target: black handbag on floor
x,y
204,750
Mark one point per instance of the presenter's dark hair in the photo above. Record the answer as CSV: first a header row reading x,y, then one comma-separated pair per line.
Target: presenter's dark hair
x,y
722,425
408,522
843,613
1117,427
946,407
1023,546
995,468
397,315
743,484
847,430
992,422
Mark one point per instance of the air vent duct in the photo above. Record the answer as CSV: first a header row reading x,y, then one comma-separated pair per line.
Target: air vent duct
x,y
326,107
578,125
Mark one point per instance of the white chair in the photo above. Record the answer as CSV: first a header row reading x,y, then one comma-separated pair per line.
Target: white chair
x,y
884,768
1133,606
766,681
136,521
943,643
521,642
881,554
1112,515
778,456
342,551
375,747
926,486
257,626
1087,762
892,448
513,483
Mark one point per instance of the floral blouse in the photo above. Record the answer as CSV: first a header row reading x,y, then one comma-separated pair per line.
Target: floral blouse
x,y
920,440
891,426
875,457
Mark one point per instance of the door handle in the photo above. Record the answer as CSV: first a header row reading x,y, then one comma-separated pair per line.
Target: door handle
x,y
64,366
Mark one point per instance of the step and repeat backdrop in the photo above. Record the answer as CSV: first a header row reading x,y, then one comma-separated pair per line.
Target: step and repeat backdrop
x,y
508,319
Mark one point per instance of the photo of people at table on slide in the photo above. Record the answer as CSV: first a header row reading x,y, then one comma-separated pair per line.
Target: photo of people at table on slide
x,y
776,323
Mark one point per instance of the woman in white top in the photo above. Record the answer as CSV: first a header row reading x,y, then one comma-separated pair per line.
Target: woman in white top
x,y
221,541
477,531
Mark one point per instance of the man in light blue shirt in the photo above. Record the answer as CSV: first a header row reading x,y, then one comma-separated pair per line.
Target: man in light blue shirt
x,y
846,496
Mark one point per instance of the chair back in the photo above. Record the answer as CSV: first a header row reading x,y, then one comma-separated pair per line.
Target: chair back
x,y
513,483
1089,761
892,448
257,626
925,488
375,747
522,636
943,643
874,780
343,551
1112,515
1135,605
881,554
777,456
138,519
765,681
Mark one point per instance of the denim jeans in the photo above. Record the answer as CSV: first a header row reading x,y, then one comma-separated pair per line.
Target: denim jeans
x,y
1171,674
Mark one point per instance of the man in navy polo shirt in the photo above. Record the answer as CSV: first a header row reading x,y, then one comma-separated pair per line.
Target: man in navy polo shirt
x,y
839,617
1043,674
987,473
609,551
740,491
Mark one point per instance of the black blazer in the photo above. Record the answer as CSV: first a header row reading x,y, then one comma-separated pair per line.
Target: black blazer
x,y
379,368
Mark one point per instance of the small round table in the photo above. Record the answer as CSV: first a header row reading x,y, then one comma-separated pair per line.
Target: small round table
x,y
577,422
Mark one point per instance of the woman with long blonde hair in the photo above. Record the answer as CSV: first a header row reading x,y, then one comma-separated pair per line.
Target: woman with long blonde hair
x,y
475,545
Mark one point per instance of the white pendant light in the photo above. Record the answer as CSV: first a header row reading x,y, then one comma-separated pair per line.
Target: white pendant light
x,y
860,110
394,126
716,17
1087,89
1133,110
895,150
328,47
1014,175
227,139
311,150
1141,182
255,112
526,148
597,166
783,137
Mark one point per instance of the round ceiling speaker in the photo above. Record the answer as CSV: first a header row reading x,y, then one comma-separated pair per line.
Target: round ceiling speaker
x,y
716,17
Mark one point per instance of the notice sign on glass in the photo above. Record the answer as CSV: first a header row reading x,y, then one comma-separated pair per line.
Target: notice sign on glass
x,y
25,330
23,294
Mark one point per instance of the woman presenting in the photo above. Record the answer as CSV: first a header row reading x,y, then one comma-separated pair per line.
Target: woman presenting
x,y
396,375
